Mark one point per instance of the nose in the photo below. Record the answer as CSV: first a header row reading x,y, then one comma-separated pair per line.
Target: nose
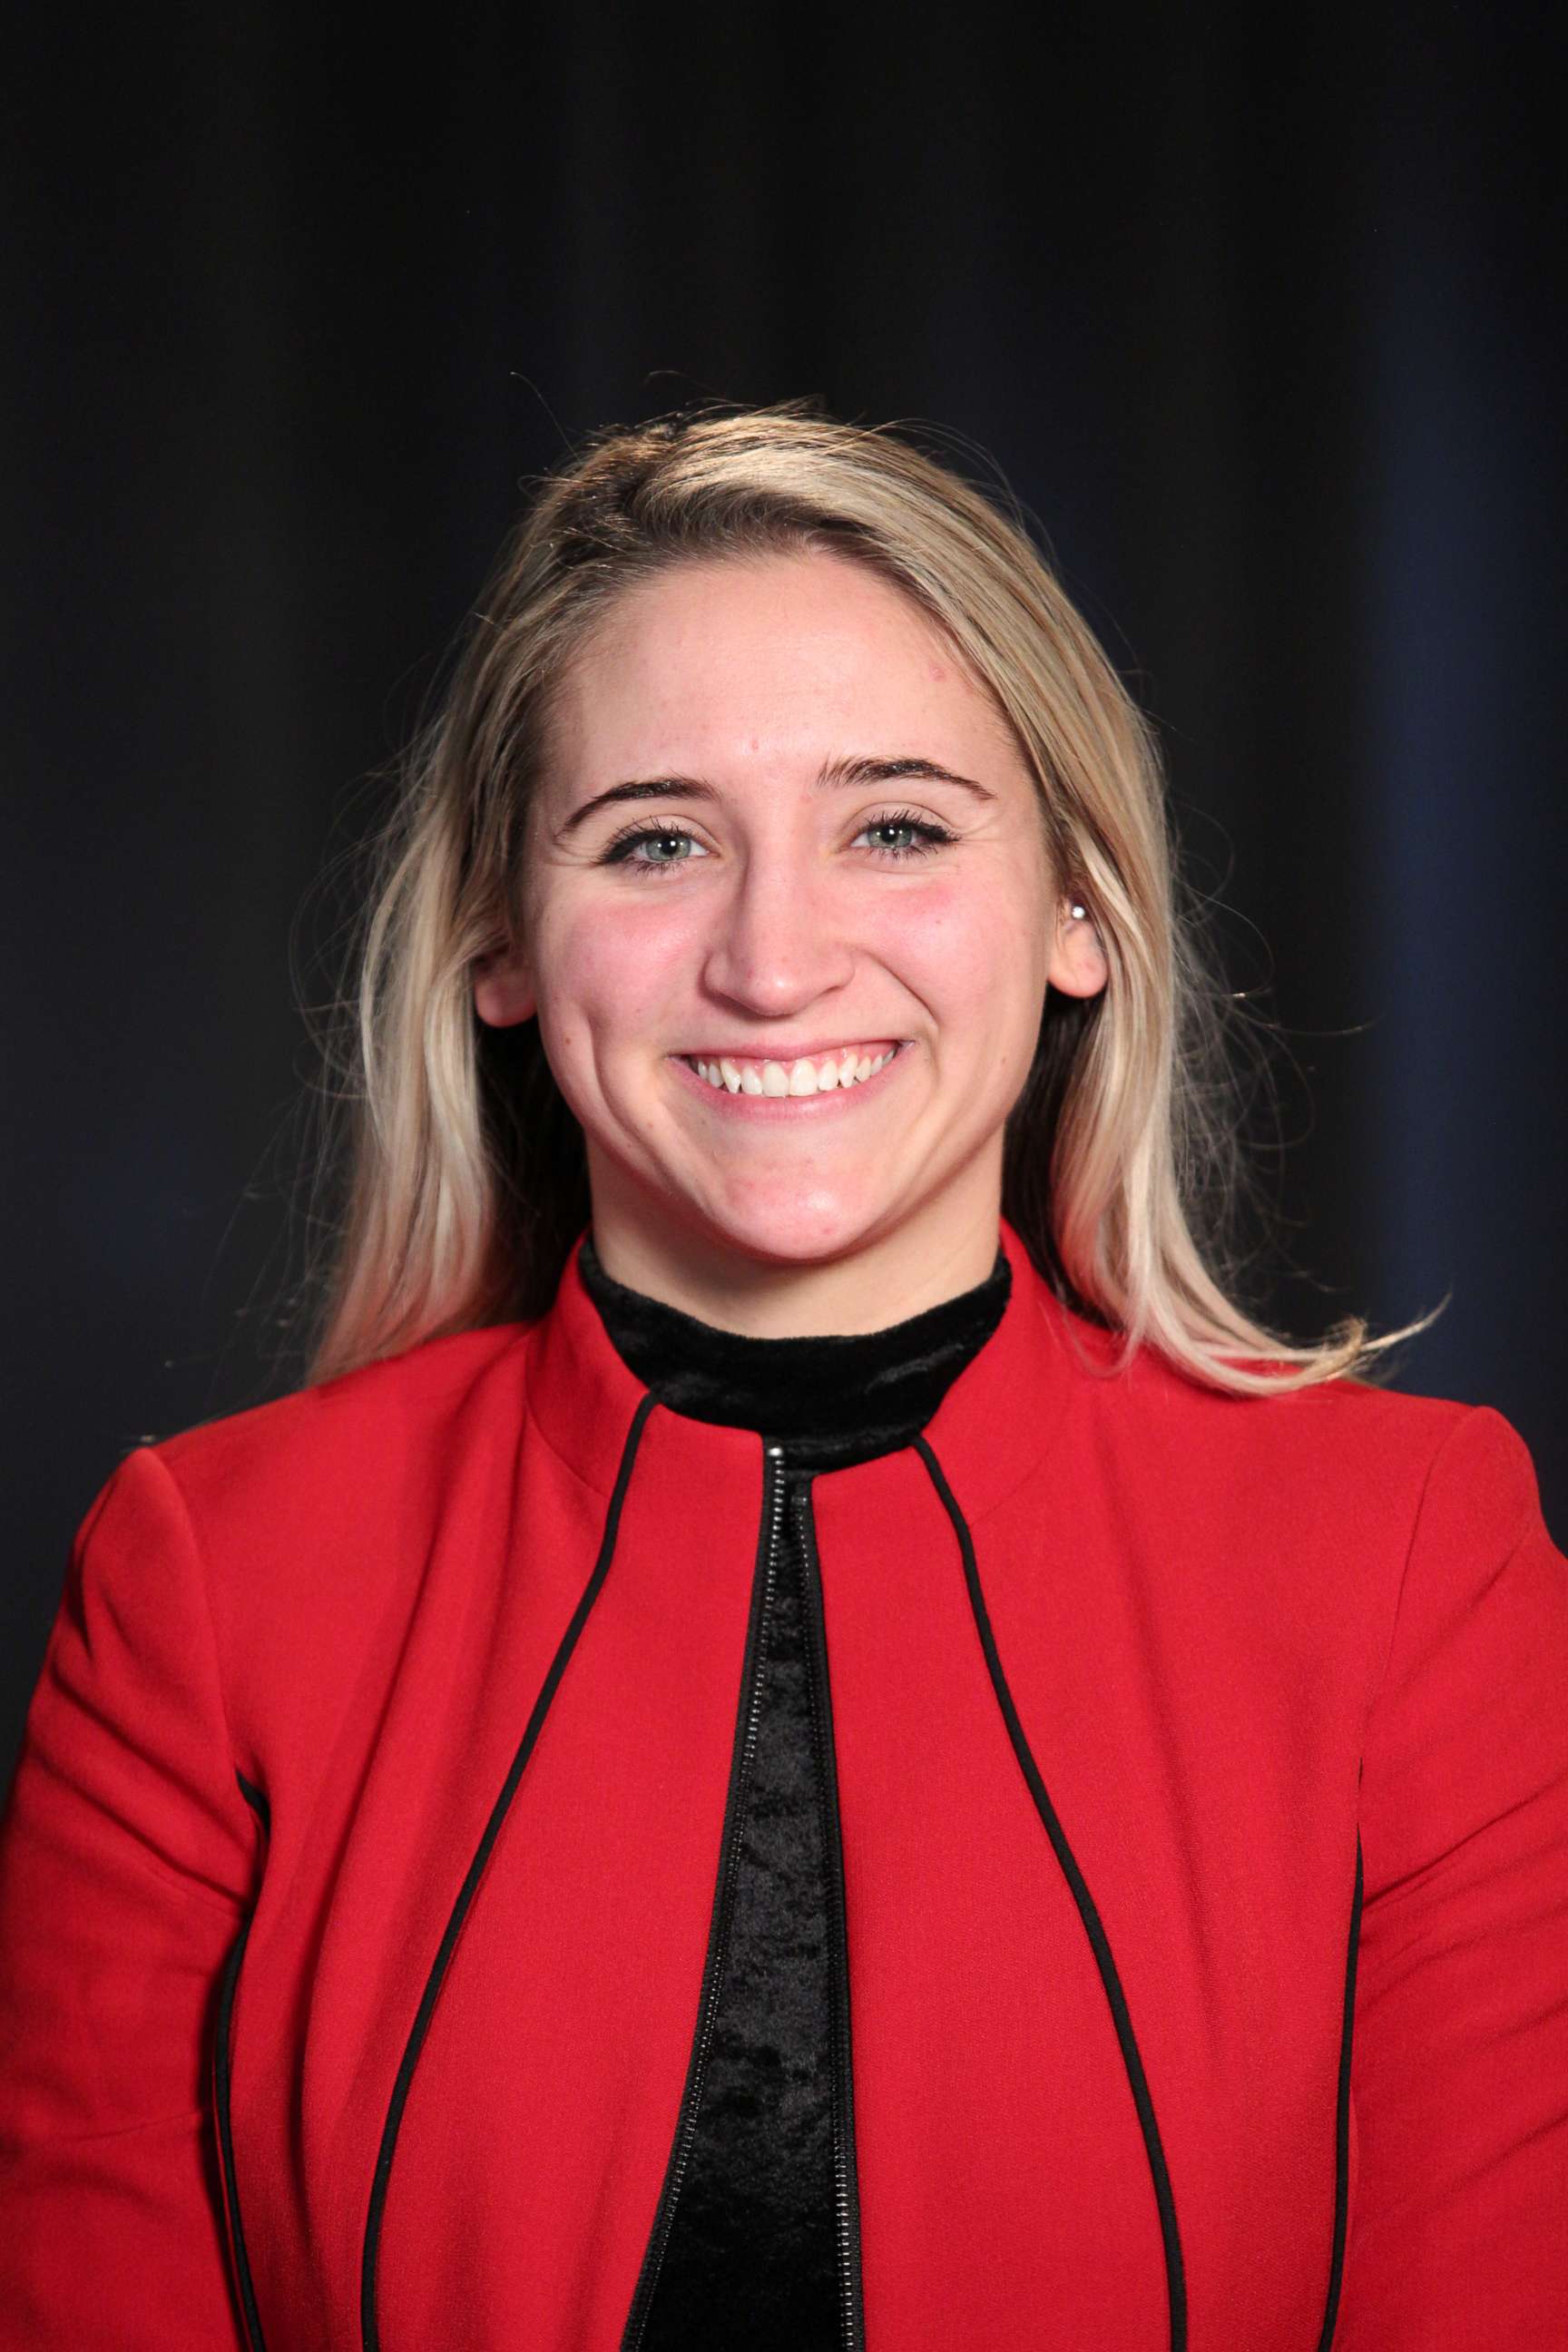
x,y
776,945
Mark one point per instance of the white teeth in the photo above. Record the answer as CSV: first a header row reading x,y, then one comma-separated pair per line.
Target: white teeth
x,y
801,1078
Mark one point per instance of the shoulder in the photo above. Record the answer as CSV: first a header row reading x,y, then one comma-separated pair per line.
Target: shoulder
x,y
307,1522
350,1445
283,1543
1372,1524
1365,1463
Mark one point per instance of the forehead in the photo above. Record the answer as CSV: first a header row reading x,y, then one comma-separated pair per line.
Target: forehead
x,y
770,659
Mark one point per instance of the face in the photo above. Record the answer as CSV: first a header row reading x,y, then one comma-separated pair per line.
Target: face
x,y
830,889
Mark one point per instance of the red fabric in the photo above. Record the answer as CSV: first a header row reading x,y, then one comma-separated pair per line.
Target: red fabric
x,y
1234,1632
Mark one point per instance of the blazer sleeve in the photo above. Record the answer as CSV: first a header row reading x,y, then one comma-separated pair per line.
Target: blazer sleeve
x,y
127,1861
1458,2228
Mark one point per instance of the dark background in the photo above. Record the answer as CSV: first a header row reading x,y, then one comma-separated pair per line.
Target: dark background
x,y
1266,336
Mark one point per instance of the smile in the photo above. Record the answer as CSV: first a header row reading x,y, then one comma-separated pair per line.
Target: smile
x,y
839,1070
813,1074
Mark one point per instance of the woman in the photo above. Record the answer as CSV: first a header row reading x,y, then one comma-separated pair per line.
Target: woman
x,y
805,1735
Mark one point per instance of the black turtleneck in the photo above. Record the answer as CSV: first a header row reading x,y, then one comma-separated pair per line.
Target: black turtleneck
x,y
758,2225
831,1400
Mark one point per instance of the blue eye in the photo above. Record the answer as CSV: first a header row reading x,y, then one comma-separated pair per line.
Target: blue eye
x,y
927,837
930,836
616,851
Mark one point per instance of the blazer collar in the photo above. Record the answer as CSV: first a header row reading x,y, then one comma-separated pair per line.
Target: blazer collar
x,y
1006,1408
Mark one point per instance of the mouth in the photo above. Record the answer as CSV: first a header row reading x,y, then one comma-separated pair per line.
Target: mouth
x,y
832,1072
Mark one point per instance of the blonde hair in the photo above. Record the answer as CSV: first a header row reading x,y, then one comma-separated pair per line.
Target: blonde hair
x,y
463,1171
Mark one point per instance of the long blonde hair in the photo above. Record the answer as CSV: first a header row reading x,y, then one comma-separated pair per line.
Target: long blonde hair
x,y
463,1173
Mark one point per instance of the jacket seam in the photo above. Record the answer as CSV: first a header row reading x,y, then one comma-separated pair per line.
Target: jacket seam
x,y
1342,2094
221,2063
222,2095
589,1486
230,1908
210,1613
1466,1416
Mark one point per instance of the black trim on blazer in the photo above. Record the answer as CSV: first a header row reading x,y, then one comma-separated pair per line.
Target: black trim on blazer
x,y
370,2336
776,1492
244,2285
1342,2116
1175,2279
255,1799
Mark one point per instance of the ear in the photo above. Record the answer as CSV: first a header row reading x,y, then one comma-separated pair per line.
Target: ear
x,y
1078,966
503,989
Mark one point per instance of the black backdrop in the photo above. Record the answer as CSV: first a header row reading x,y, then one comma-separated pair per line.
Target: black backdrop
x,y
1266,336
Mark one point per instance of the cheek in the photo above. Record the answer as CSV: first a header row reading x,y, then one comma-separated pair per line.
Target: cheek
x,y
966,951
612,966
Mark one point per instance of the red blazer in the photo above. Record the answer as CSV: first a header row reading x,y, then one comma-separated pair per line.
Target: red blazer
x,y
1202,1774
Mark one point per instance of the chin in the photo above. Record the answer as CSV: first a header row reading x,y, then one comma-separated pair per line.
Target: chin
x,y
793,1233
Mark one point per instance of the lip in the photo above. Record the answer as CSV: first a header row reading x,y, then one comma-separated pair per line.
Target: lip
x,y
837,1102
786,1055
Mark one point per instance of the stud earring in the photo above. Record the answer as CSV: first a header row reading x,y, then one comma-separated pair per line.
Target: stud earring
x,y
1079,913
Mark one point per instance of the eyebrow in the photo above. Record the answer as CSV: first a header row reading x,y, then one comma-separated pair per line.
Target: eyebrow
x,y
836,775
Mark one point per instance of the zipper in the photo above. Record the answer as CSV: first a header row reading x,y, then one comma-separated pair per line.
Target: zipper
x,y
846,2187
773,1499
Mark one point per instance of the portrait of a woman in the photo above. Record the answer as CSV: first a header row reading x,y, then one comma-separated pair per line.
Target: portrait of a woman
x,y
805,1736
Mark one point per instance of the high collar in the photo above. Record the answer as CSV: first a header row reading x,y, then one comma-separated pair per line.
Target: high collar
x,y
832,1399
1000,1416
